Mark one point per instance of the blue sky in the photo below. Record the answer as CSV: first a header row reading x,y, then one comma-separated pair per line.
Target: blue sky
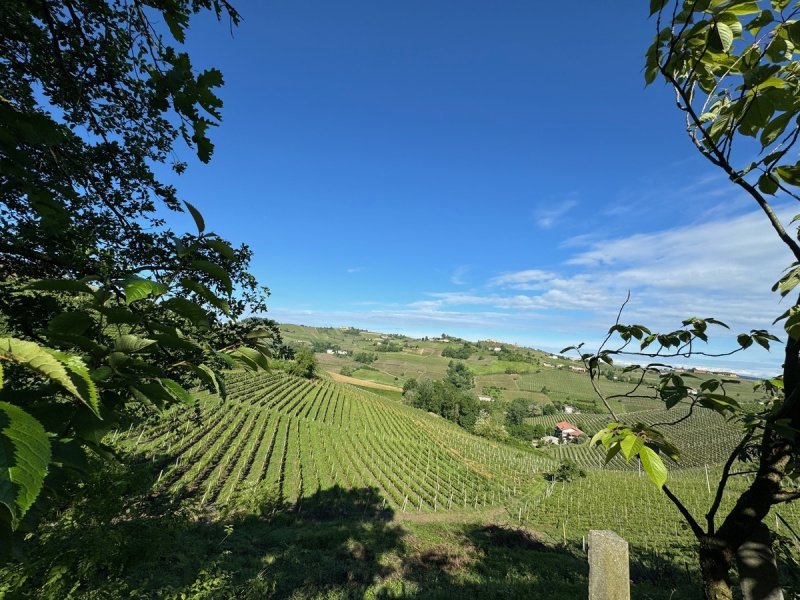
x,y
484,169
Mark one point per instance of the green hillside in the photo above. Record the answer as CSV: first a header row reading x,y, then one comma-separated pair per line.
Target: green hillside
x,y
539,377
293,438
314,489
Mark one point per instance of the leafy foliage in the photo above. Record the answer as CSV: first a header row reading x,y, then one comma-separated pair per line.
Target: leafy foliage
x,y
732,67
106,313
566,471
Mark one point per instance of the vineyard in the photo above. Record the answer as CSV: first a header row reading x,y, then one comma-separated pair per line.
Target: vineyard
x,y
293,438
706,438
383,499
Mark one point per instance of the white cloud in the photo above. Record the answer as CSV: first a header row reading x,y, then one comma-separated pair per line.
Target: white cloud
x,y
547,215
529,277
722,268
457,277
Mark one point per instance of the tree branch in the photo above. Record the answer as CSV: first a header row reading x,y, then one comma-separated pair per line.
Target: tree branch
x,y
696,529
785,497
723,481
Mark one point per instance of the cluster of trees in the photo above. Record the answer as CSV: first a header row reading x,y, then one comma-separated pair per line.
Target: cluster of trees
x,y
365,357
388,346
517,411
513,355
452,397
304,364
323,346
462,352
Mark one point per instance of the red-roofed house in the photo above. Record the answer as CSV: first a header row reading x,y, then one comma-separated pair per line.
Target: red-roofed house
x,y
567,432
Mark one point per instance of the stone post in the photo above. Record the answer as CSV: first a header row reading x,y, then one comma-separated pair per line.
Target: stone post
x,y
609,568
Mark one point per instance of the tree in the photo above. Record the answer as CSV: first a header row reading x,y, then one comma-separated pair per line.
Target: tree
x,y
365,357
459,375
517,411
304,364
463,353
105,312
732,67
566,472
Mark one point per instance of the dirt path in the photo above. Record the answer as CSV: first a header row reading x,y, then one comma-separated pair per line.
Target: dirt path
x,y
363,382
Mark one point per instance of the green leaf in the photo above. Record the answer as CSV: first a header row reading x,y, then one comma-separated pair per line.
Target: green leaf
x,y
24,456
793,30
757,115
656,5
251,358
767,184
198,218
775,128
176,342
631,446
152,393
137,288
192,311
789,281
207,375
215,271
59,285
206,294
222,247
176,390
73,323
790,174
742,8
653,466
720,37
42,361
116,315
82,380
130,344
176,19
612,451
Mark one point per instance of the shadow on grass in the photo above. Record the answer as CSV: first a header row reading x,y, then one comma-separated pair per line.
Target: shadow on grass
x,y
117,540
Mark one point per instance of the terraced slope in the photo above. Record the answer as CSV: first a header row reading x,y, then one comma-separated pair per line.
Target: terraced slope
x,y
705,438
290,438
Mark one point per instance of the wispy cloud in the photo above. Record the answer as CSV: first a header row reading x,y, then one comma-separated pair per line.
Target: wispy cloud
x,y
722,268
355,269
458,275
549,214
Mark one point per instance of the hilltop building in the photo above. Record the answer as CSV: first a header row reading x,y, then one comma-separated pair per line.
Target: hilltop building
x,y
567,432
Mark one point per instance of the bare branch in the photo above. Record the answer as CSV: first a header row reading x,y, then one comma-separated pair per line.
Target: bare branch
x,y
723,481
696,529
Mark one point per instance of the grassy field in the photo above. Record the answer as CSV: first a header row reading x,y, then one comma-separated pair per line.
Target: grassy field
x,y
296,488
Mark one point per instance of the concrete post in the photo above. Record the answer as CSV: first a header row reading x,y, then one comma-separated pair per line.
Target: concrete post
x,y
609,566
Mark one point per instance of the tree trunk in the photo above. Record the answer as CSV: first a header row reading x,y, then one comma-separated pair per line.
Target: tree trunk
x,y
716,561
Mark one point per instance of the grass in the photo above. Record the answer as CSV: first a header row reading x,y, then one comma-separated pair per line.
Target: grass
x,y
342,544
299,489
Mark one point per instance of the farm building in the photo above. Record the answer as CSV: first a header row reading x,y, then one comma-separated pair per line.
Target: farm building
x,y
567,432
550,439
483,398
570,409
